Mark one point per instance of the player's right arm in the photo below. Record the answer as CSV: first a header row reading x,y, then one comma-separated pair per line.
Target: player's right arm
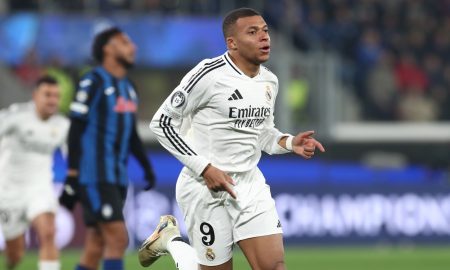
x,y
190,95
84,99
193,93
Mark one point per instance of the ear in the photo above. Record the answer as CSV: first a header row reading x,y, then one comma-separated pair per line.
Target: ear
x,y
231,44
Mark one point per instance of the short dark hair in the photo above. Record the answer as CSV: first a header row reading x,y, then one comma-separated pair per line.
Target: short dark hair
x,y
231,18
46,79
100,40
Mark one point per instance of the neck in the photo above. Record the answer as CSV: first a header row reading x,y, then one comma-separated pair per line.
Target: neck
x,y
250,69
114,68
41,115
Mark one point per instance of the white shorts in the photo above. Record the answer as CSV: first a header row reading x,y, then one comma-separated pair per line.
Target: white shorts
x,y
215,221
19,208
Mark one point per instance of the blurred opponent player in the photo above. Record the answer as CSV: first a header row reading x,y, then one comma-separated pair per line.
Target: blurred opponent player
x,y
29,135
102,134
226,104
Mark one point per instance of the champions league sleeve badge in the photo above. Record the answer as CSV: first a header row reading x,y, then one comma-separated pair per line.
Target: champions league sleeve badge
x,y
178,99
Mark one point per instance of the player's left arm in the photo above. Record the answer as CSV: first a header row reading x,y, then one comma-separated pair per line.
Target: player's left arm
x,y
138,151
270,136
272,141
302,144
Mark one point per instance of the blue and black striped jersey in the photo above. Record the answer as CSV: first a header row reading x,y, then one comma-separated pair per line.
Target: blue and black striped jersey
x,y
108,106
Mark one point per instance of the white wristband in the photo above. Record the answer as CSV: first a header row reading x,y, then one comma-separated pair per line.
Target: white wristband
x,y
289,143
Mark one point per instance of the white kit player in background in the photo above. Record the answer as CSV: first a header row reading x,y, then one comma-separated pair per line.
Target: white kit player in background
x,y
217,122
29,135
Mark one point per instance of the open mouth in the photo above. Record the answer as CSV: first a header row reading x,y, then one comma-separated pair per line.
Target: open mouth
x,y
265,49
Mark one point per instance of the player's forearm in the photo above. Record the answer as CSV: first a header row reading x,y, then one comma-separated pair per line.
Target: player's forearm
x,y
286,142
273,142
138,150
169,137
77,128
282,142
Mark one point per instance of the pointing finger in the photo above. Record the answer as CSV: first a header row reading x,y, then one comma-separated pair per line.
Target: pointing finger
x,y
319,145
230,180
307,134
230,191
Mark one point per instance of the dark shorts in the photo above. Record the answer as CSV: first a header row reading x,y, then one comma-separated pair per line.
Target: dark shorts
x,y
102,203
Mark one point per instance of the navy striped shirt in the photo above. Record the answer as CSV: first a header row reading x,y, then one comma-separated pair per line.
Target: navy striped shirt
x,y
108,105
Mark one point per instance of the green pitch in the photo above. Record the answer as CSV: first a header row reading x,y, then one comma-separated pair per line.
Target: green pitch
x,y
357,258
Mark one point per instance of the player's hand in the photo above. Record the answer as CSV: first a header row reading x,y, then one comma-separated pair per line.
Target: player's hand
x,y
70,194
217,180
305,145
150,179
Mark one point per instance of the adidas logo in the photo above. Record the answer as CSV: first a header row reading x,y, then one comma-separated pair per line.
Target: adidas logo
x,y
236,95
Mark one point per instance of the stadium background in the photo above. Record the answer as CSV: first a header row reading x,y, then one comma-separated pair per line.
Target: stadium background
x,y
372,77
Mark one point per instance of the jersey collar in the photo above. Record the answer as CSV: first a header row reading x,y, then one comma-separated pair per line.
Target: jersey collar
x,y
230,62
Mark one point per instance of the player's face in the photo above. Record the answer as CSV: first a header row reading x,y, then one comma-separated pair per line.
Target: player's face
x,y
251,36
46,98
123,49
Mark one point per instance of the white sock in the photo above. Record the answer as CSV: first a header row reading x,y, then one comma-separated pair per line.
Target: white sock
x,y
49,265
183,254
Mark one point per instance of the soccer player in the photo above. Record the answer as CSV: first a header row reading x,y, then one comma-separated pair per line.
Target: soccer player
x,y
101,136
29,135
226,106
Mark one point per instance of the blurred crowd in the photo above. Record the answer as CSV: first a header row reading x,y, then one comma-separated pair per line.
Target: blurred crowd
x,y
198,7
395,53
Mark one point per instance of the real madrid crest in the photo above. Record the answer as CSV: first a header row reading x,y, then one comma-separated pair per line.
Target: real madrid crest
x,y
268,93
210,254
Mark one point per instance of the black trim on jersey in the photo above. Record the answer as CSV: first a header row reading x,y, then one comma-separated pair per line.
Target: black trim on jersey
x,y
213,62
201,69
176,134
226,58
120,127
173,137
163,126
203,73
200,72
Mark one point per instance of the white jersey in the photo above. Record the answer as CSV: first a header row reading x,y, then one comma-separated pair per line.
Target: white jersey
x,y
219,115
27,144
